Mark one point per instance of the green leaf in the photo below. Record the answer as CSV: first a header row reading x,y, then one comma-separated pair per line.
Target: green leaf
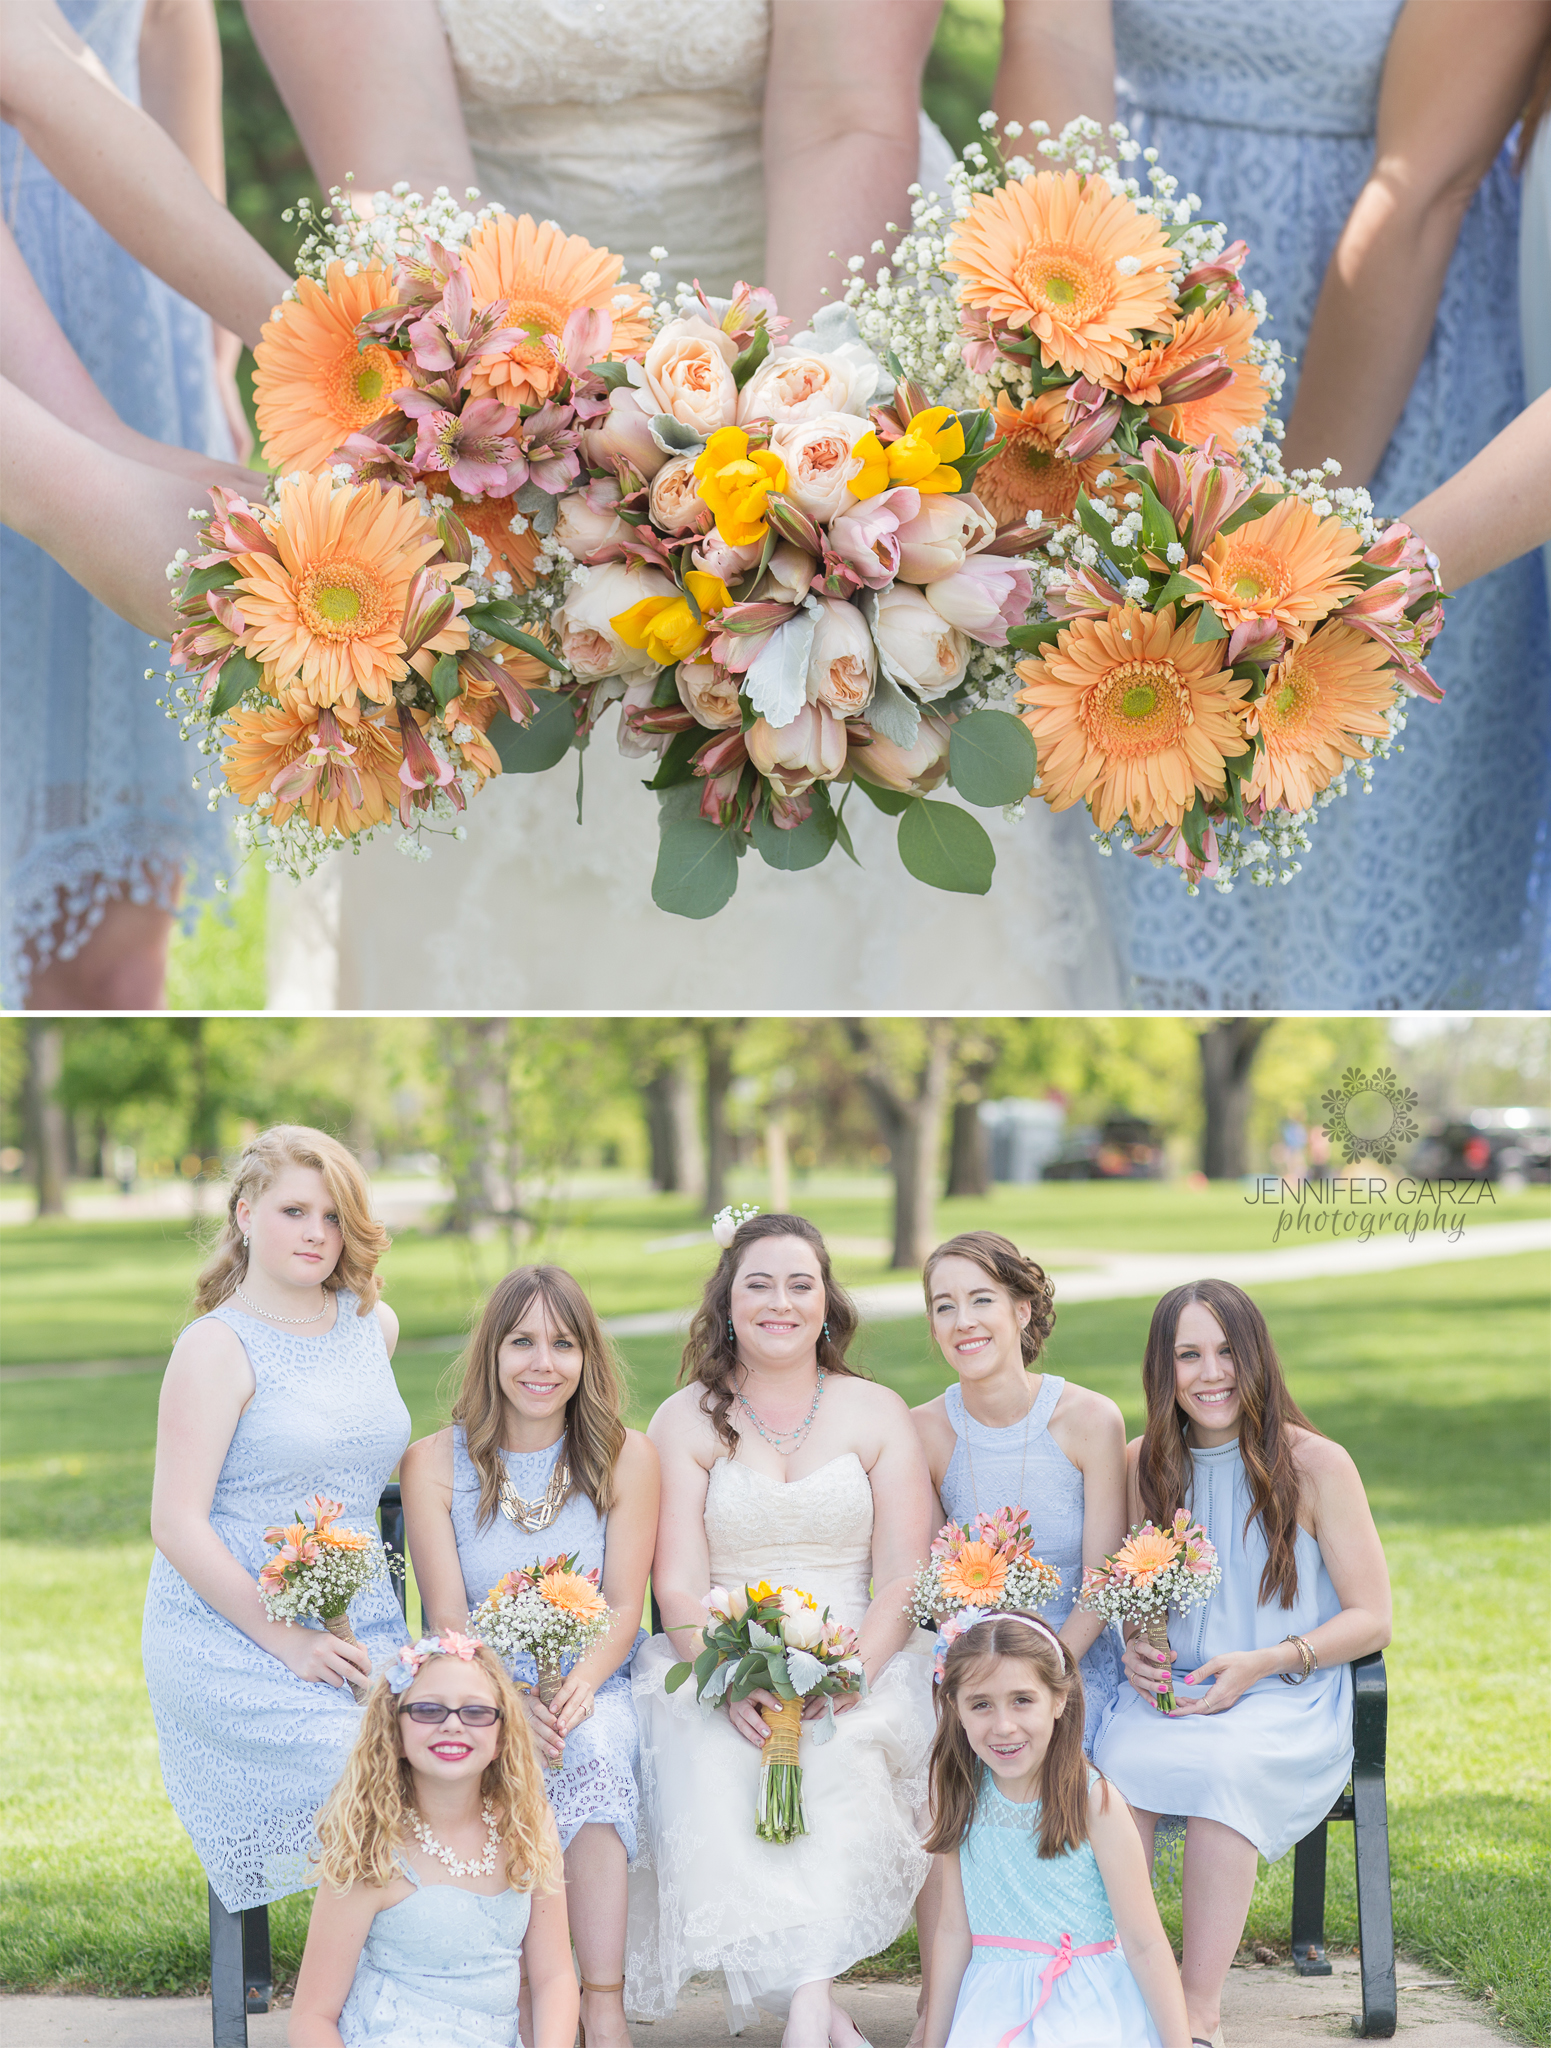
x,y
843,832
1158,530
1209,626
676,1677
1194,825
946,848
1177,587
1092,524
444,680
893,801
665,690
706,1663
780,1684
697,869
487,617
744,365
612,374
202,580
1043,634
676,765
239,674
991,759
1255,508
545,739
805,845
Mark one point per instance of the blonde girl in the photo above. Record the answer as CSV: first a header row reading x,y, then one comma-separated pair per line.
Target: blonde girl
x,y
279,1389
1047,1921
538,1462
440,1868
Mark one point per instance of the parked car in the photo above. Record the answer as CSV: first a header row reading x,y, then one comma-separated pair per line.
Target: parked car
x,y
1488,1144
1123,1148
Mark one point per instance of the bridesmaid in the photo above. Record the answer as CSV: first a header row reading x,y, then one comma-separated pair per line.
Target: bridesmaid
x,y
1305,1589
1008,1435
538,1461
281,1389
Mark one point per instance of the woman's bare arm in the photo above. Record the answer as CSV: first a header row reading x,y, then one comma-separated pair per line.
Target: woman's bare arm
x,y
681,1568
901,1531
1090,1430
1058,61
425,1475
1497,507
842,137
1453,83
371,89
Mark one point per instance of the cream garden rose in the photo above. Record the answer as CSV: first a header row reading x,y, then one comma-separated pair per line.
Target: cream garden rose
x,y
582,528
710,693
588,641
920,643
919,768
799,384
676,503
843,666
688,371
819,462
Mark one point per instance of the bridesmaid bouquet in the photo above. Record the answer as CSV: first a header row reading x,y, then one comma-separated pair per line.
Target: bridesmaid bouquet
x,y
316,1572
774,1638
548,1610
1213,646
1153,1570
989,1565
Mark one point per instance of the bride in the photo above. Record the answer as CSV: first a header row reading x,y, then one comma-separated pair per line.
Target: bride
x,y
779,1463
750,138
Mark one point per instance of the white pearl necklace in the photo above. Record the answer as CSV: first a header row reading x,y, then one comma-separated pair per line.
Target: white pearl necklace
x,y
485,1867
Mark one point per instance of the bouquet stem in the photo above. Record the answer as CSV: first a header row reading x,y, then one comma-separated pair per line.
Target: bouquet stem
x,y
550,1680
780,1817
1156,1629
338,1626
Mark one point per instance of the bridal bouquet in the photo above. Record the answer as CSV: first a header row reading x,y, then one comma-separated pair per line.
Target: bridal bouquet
x,y
1153,1570
548,1610
988,1565
316,1572
773,1638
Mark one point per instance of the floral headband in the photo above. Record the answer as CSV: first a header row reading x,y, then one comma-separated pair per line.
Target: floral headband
x,y
971,1617
725,1223
405,1668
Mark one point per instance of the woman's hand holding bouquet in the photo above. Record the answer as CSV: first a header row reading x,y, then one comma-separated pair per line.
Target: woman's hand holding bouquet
x,y
1153,1570
316,1572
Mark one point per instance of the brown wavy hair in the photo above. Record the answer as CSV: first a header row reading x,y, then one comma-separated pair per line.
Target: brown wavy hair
x,y
594,1415
262,1161
711,1355
1000,1259
957,1774
1268,1415
365,1820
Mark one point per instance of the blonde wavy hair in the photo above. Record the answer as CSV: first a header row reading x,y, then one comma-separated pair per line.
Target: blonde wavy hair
x,y
594,1415
365,1821
263,1160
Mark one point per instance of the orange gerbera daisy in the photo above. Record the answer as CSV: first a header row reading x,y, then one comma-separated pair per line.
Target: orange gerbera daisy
x,y
1332,687
1026,474
1288,565
1065,257
573,1594
264,742
544,275
1130,714
324,616
491,519
978,1575
312,386
1239,404
1143,1555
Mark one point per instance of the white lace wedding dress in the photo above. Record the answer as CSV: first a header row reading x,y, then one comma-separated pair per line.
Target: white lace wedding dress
x,y
636,123
705,1893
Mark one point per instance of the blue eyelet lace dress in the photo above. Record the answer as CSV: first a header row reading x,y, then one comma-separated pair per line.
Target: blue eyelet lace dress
x,y
441,1969
984,1474
1031,1919
597,1781
1415,896
98,781
249,1751
1271,1765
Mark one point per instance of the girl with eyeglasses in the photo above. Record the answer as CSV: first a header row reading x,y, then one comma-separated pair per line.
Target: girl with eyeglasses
x,y
440,1889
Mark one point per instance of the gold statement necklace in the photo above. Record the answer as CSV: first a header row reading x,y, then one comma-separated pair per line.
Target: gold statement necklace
x,y
533,1515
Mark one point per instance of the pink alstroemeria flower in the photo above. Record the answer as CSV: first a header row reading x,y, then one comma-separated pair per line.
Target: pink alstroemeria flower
x,y
1219,272
419,767
1199,488
236,527
475,447
451,338
547,445
1085,594
1169,843
327,765
1092,414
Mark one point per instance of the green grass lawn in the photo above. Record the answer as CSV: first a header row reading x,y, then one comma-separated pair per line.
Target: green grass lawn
x,y
1435,1380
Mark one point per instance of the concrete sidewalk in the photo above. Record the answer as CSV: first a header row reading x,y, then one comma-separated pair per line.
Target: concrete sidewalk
x,y
1264,2006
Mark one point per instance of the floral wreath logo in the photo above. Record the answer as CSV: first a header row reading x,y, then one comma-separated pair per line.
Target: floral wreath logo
x,y
1385,1129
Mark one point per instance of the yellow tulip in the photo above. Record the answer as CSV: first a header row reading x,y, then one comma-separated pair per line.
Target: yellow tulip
x,y
922,454
873,476
735,484
666,627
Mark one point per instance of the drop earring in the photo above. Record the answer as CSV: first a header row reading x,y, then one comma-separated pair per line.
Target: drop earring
x,y
730,1331
827,1337
245,1244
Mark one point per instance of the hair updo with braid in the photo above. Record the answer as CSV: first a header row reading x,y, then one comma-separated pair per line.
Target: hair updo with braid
x,y
1001,1260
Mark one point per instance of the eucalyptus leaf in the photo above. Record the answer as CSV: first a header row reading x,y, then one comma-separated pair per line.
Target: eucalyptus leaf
x,y
805,845
895,802
1042,634
545,739
676,1677
947,848
697,869
991,759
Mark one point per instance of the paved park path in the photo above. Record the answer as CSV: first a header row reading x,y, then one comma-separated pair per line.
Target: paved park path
x,y
1264,2006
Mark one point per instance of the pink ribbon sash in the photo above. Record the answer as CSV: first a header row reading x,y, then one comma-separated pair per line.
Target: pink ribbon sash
x,y
1061,1960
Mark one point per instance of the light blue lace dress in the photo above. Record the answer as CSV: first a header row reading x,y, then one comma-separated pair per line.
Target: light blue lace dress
x,y
1271,1765
441,1969
97,780
1415,896
984,1474
597,1781
249,1751
1031,1919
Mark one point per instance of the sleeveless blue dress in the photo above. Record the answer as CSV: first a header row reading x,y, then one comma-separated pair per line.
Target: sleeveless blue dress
x,y
441,1969
1416,896
1271,1766
98,781
597,1781
249,1751
1028,1984
1052,1493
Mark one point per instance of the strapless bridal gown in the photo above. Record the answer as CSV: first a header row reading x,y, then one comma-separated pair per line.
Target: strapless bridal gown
x,y
705,1893
636,123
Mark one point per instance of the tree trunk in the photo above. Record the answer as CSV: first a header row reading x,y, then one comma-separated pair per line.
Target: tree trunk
x,y
911,1125
969,1153
102,1165
1228,1050
717,1036
673,1128
479,1144
45,1114
657,1114
778,1165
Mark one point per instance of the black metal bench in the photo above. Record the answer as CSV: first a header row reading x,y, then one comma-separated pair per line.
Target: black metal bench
x,y
1364,1807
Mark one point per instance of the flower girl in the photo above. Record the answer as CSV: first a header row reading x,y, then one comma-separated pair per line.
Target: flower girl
x,y
440,1871
1039,1868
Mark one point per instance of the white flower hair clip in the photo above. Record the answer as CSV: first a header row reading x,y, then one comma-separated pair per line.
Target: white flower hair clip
x,y
725,1223
404,1669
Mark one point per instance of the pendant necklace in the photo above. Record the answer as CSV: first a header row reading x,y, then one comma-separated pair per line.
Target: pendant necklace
x,y
533,1515
785,1440
484,1866
969,1453
272,1317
